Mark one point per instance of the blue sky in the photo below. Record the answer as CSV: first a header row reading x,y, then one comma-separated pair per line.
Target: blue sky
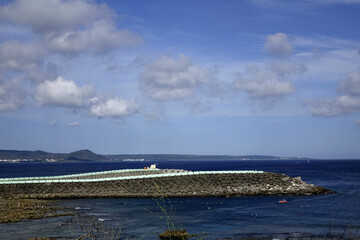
x,y
265,77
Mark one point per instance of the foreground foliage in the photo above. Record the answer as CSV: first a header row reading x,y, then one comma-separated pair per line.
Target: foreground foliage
x,y
16,210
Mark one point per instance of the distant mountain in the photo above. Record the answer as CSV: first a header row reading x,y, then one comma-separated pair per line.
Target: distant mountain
x,y
89,156
29,155
84,155
41,156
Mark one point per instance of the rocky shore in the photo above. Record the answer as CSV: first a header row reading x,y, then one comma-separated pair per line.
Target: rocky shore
x,y
16,210
202,185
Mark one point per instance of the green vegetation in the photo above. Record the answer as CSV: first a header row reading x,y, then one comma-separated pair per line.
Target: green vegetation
x,y
41,156
168,213
176,234
16,210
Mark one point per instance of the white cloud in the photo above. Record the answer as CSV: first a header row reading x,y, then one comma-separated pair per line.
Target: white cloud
x,y
167,79
329,66
11,95
100,38
115,108
63,93
197,106
26,60
335,107
278,45
357,122
263,85
53,15
271,83
344,104
264,88
73,124
70,27
286,69
18,57
66,93
351,84
44,72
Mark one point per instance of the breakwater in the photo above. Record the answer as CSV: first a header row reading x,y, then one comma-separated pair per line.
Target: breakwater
x,y
142,183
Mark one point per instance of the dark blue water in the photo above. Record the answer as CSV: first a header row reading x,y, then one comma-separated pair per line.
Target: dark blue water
x,y
213,218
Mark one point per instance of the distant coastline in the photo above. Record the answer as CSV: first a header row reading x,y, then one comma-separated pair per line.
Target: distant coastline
x,y
15,156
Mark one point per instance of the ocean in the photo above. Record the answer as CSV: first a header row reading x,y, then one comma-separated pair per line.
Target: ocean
x,y
306,217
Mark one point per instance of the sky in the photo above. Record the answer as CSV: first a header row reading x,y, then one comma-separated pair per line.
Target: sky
x,y
268,77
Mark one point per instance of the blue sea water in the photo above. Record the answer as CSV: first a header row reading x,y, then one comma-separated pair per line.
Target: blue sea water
x,y
336,215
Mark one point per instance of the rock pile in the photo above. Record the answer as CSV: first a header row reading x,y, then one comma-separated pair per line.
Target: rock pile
x,y
204,185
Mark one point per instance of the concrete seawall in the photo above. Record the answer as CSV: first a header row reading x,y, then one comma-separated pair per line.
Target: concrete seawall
x,y
206,184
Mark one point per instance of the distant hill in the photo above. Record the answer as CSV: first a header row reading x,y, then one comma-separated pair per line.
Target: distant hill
x,y
41,156
29,155
84,155
89,156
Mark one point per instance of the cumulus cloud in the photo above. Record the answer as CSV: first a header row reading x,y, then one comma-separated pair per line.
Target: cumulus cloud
x,y
263,85
197,106
114,108
26,60
11,95
70,27
62,93
351,84
278,45
347,103
260,88
19,57
137,62
167,79
286,69
44,72
67,27
270,83
100,38
66,93
335,107
53,15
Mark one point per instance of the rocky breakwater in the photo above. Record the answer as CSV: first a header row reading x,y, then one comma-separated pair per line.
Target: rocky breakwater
x,y
188,184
